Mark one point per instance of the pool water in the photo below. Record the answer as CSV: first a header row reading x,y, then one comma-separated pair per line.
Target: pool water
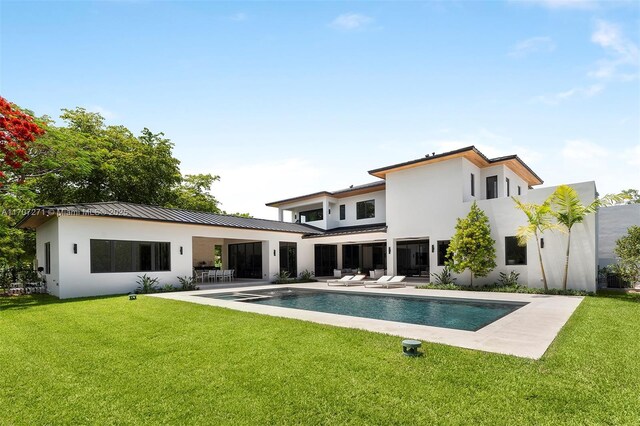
x,y
469,315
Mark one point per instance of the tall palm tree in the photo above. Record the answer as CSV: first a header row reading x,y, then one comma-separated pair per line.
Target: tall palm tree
x,y
539,219
568,211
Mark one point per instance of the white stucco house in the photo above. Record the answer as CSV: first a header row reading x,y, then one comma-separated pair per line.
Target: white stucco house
x,y
401,222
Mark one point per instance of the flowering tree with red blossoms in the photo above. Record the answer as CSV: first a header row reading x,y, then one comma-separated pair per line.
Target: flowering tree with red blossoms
x,y
17,131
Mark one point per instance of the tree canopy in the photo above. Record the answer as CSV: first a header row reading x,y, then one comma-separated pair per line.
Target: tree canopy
x,y
472,247
85,161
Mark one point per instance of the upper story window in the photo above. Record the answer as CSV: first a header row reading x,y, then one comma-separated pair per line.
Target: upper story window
x,y
343,213
514,254
492,187
519,190
508,187
366,209
311,215
473,185
129,256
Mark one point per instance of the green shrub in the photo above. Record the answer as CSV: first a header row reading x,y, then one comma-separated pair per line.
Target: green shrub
x,y
167,288
444,278
503,289
146,284
509,280
282,277
187,284
306,276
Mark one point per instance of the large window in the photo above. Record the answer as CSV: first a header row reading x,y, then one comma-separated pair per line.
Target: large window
x,y
514,253
47,258
343,212
311,215
289,258
442,252
129,256
492,187
508,187
366,209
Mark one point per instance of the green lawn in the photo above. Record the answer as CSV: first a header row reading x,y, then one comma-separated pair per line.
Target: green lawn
x,y
150,361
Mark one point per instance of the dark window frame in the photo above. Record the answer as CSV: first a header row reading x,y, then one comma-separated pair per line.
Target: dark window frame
x,y
47,257
316,214
343,212
158,257
508,187
519,190
492,183
514,252
473,185
366,209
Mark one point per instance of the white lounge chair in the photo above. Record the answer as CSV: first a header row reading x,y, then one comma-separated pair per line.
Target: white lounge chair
x,y
348,280
398,280
380,281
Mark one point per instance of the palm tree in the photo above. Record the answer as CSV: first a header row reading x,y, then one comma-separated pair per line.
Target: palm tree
x,y
568,211
538,220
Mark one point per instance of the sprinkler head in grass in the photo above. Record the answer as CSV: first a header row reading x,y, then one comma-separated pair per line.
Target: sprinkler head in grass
x,y
410,347
132,296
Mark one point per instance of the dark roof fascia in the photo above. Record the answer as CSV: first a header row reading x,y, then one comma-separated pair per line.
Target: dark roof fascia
x,y
427,159
327,193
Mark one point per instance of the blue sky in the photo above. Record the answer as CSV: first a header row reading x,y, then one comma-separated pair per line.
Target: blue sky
x,y
286,98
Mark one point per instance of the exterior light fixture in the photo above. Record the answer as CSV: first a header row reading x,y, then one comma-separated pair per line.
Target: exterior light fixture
x,y
433,248
75,248
181,250
132,296
541,242
389,250
274,252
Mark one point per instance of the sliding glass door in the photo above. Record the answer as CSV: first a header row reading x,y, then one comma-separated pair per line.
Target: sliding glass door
x,y
246,259
413,258
326,259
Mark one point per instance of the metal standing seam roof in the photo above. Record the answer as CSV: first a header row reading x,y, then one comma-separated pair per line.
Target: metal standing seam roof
x,y
162,214
348,230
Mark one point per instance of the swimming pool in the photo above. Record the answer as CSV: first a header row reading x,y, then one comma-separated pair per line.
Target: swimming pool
x,y
470,315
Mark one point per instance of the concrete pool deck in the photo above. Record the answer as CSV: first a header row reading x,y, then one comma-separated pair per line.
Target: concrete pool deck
x,y
526,332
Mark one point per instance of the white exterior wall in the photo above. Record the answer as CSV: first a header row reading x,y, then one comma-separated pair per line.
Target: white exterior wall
x,y
614,222
424,202
76,280
48,233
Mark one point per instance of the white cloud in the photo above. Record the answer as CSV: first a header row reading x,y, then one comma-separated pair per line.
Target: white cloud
x,y
239,17
532,45
623,58
351,21
576,92
583,151
583,160
104,112
562,4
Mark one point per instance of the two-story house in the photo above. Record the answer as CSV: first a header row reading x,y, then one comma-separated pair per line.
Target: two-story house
x,y
402,223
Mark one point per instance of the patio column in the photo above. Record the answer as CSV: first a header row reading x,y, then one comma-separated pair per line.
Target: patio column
x,y
280,214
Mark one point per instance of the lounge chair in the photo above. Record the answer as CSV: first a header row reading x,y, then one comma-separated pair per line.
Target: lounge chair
x,y
380,281
398,280
347,280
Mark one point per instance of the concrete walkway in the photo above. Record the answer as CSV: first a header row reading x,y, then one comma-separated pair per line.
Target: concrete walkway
x,y
526,332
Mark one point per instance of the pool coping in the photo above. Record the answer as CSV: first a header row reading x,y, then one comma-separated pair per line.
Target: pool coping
x,y
527,332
